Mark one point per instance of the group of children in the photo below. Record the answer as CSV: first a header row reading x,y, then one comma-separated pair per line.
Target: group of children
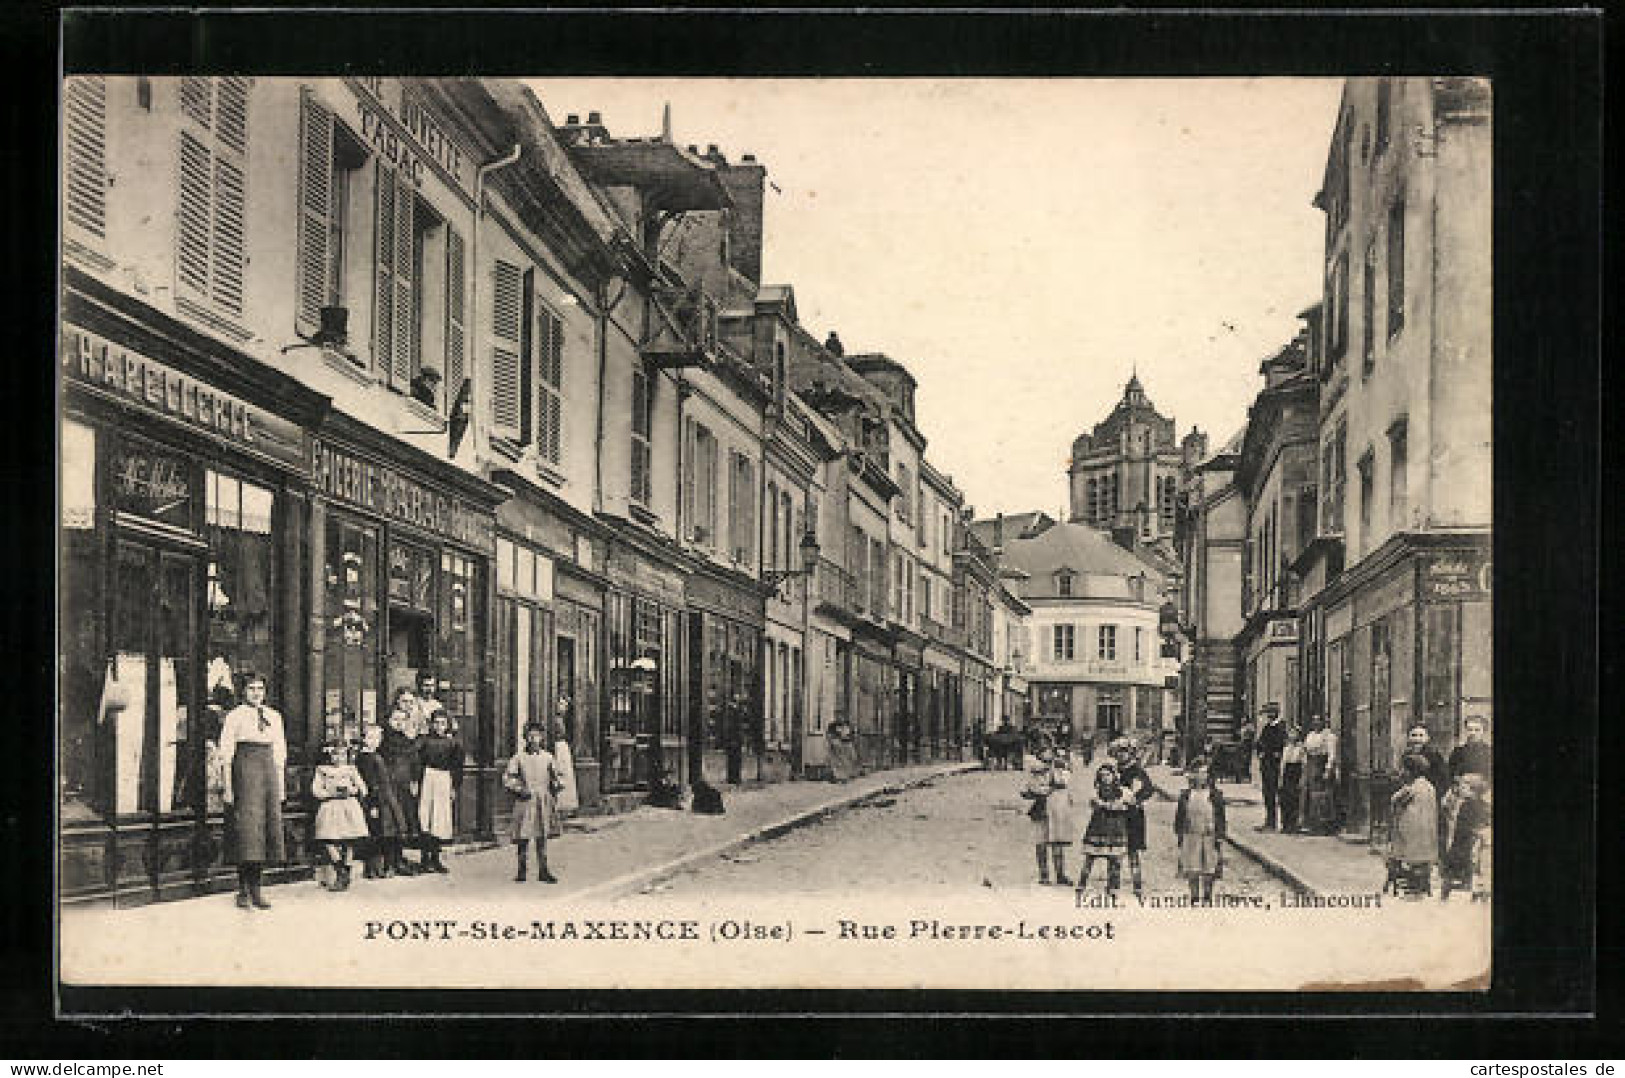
x,y
1116,831
396,787
1452,833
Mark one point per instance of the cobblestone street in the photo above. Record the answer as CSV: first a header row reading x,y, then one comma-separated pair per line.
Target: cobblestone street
x,y
955,833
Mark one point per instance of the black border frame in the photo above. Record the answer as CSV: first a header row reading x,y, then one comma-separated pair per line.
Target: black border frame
x,y
1547,71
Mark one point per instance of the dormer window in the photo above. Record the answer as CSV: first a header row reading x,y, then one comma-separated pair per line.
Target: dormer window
x,y
1063,583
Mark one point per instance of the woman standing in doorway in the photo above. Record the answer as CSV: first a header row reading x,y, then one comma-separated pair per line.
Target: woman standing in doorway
x,y
254,752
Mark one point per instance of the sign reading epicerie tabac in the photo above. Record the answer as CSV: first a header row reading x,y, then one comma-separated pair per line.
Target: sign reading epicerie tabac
x,y
407,135
381,489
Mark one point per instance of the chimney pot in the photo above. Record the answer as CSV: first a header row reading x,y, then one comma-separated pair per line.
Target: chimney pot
x,y
693,148
595,117
711,149
572,119
749,159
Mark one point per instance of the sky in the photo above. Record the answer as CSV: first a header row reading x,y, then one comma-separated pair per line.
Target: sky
x,y
1023,245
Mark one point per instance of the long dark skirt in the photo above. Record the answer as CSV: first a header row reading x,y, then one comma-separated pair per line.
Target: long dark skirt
x,y
256,812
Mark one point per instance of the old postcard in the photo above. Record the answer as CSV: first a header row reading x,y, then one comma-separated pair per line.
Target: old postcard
x,y
1001,533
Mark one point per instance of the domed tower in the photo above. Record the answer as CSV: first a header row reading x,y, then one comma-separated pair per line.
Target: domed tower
x,y
1124,473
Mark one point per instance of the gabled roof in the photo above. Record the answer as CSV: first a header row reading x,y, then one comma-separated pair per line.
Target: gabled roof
x,y
1077,547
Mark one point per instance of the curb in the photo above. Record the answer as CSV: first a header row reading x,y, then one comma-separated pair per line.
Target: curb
x,y
635,881
1270,863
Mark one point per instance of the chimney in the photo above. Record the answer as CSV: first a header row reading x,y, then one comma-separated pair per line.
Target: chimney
x,y
572,119
998,534
832,344
745,183
595,117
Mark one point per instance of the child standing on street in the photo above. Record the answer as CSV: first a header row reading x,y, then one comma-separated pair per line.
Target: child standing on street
x,y
1106,838
339,819
532,777
1466,821
1048,782
1199,831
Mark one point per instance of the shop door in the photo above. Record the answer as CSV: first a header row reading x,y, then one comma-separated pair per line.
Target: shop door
x,y
157,756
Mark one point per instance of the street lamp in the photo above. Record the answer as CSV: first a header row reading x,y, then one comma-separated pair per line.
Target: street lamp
x,y
809,562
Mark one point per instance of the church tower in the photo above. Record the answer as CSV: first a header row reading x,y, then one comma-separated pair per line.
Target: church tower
x,y
1124,474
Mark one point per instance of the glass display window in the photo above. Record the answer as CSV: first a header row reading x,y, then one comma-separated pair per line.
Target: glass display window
x,y
352,621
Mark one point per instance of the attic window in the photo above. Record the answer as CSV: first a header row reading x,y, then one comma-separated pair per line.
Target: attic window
x,y
1063,583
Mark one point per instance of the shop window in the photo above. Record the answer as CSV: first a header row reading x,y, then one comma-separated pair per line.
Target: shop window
x,y
154,484
352,621
1441,654
84,670
212,193
1109,709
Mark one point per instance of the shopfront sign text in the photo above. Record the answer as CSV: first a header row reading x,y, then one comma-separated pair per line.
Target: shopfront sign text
x,y
407,135
1457,576
385,491
132,378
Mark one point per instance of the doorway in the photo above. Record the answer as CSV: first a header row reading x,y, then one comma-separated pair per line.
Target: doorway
x,y
157,739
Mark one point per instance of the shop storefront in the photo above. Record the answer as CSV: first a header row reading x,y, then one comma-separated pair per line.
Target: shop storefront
x,y
647,687
725,735
401,547
182,515
939,691
1408,639
873,698
908,654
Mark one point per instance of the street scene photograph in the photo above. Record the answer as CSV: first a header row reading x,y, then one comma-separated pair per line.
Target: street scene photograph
x,y
976,533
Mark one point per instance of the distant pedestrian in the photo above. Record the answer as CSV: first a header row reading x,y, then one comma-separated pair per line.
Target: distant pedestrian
x,y
532,776
1320,812
1472,756
254,753
336,787
442,758
1106,837
1414,842
1049,781
1293,761
842,749
1199,830
1247,738
1138,789
1270,745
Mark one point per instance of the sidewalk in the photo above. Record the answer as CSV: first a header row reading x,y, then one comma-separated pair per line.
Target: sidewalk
x,y
1315,864
598,857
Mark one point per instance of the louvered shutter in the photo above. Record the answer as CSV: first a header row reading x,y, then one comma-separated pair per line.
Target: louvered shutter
x,y
84,106
315,209
456,298
197,101
507,306
192,218
690,470
549,387
226,274
383,306
748,482
231,113
404,352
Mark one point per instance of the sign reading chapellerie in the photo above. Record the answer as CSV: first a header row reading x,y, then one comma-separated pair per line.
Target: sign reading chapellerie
x,y
380,489
132,378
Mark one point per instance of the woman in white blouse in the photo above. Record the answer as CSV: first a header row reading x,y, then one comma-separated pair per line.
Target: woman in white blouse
x,y
254,752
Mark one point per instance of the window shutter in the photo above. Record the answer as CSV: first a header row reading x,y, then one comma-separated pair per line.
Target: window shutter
x,y
192,220
690,469
748,483
197,100
507,306
403,352
84,105
315,208
527,357
226,284
383,305
456,299
231,113
549,386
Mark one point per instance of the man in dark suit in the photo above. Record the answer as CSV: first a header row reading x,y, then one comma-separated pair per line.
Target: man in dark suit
x,y
1270,744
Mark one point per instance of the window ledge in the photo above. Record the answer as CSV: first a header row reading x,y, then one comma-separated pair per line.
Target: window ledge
x,y
548,473
642,514
191,308
425,412
346,365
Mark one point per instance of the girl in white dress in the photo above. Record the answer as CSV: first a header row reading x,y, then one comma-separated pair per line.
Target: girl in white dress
x,y
340,822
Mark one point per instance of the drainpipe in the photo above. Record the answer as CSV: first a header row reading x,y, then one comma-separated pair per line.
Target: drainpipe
x,y
606,306
509,158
